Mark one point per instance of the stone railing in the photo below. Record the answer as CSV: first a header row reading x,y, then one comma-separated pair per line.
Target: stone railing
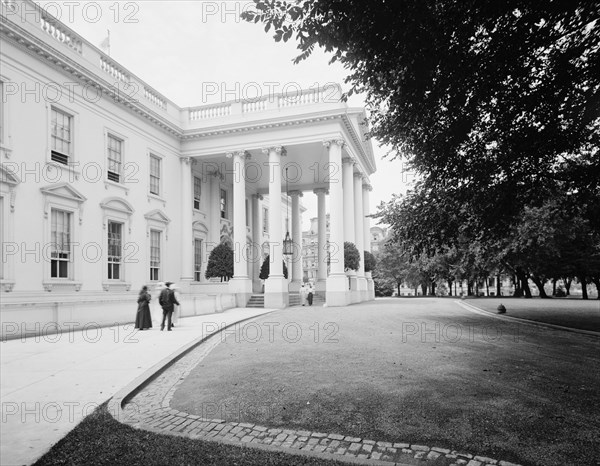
x,y
155,98
254,106
114,70
212,111
328,94
50,27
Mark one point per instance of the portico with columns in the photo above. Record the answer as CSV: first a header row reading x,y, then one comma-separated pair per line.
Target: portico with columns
x,y
280,156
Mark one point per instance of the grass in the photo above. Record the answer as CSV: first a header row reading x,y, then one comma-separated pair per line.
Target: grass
x,y
573,313
400,372
101,440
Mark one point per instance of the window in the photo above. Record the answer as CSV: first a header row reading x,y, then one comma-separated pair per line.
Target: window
x,y
223,203
61,244
197,260
115,248
265,220
155,175
115,158
61,136
154,255
197,191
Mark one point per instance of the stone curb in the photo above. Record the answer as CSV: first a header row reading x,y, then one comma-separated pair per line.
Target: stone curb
x,y
473,308
155,389
116,403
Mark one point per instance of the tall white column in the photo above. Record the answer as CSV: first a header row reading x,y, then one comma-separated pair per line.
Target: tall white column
x,y
348,171
240,268
348,175
256,256
240,284
337,284
276,288
321,240
187,236
297,239
214,236
366,188
359,233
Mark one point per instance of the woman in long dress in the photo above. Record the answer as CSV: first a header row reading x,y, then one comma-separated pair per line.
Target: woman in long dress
x,y
143,319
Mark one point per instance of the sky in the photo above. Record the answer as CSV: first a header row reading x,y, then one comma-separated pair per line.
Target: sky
x,y
200,52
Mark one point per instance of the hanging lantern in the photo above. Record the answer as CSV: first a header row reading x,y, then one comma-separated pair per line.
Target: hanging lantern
x,y
288,247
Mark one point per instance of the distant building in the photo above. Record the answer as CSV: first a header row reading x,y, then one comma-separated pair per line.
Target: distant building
x,y
378,237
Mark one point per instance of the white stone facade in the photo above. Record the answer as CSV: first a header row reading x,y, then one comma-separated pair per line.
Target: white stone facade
x,y
107,185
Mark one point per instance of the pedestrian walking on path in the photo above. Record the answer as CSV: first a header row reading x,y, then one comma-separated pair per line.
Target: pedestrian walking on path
x,y
310,293
143,319
167,300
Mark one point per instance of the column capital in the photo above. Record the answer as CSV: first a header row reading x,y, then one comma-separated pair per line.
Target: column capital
x,y
258,196
339,142
367,187
348,161
318,191
359,175
186,160
280,150
296,193
239,153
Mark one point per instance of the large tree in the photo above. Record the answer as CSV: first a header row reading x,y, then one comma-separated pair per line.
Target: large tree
x,y
477,93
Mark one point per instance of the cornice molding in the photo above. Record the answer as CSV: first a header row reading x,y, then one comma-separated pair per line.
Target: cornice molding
x,y
42,50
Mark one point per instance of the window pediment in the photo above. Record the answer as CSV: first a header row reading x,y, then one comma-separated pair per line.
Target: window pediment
x,y
117,207
65,191
157,219
64,194
117,204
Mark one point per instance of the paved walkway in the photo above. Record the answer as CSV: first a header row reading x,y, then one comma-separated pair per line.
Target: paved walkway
x,y
50,383
145,404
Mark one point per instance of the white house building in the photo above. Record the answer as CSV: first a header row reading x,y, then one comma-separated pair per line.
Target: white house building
x,y
107,185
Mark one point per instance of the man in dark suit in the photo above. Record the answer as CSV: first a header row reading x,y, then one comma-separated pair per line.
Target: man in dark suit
x,y
167,301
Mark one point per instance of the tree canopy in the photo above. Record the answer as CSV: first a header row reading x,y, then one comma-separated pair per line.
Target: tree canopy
x,y
496,107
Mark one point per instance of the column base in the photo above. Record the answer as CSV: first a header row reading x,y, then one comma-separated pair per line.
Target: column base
x,y
337,293
276,293
362,289
354,293
242,289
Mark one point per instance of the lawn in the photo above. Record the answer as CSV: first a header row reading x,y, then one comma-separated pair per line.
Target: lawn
x,y
410,370
567,312
101,440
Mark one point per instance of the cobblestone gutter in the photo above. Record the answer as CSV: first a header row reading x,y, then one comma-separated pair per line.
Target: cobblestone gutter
x,y
145,404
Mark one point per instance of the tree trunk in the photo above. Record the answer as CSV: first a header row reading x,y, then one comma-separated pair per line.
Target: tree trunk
x,y
487,286
398,289
568,285
498,286
596,281
584,294
554,280
416,291
540,286
432,288
522,276
455,288
449,287
424,288
469,289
